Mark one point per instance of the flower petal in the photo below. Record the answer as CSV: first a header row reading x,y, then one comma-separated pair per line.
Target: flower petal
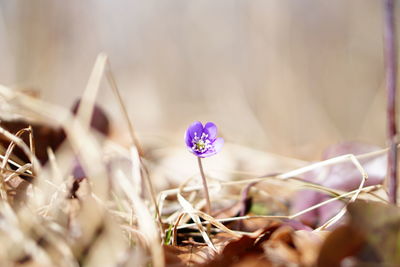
x,y
195,127
198,154
207,154
188,139
218,144
211,129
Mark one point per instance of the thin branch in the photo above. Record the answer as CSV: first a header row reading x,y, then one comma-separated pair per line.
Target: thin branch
x,y
391,80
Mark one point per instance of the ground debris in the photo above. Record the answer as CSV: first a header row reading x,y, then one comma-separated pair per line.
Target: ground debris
x,y
277,244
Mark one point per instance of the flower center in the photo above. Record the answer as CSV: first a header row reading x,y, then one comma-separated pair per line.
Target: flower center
x,y
201,144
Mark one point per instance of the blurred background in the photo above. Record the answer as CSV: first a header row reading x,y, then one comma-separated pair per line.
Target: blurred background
x,y
288,77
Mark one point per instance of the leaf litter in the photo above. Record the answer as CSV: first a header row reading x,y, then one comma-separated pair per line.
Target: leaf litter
x,y
73,195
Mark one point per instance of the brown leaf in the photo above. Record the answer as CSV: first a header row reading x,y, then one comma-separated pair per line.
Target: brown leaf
x,y
276,245
280,248
44,136
308,245
252,260
99,120
47,136
370,237
380,225
252,225
193,253
341,243
235,251
246,249
16,189
176,256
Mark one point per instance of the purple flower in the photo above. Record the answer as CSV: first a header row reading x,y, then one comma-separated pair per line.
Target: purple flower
x,y
203,141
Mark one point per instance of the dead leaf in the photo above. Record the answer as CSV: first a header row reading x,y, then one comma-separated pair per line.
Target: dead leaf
x,y
371,237
380,225
177,256
44,136
193,253
47,136
99,120
308,245
280,248
236,251
341,243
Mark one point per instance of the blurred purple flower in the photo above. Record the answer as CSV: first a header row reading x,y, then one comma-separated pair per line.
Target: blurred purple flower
x,y
343,176
203,141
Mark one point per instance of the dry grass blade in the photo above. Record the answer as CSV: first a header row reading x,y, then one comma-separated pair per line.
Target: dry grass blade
x,y
336,193
10,148
351,193
284,176
137,180
29,152
28,172
293,216
32,146
175,229
86,107
135,142
216,223
188,208
55,168
114,87
296,172
90,157
209,220
238,218
364,177
19,171
145,220
328,162
21,144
